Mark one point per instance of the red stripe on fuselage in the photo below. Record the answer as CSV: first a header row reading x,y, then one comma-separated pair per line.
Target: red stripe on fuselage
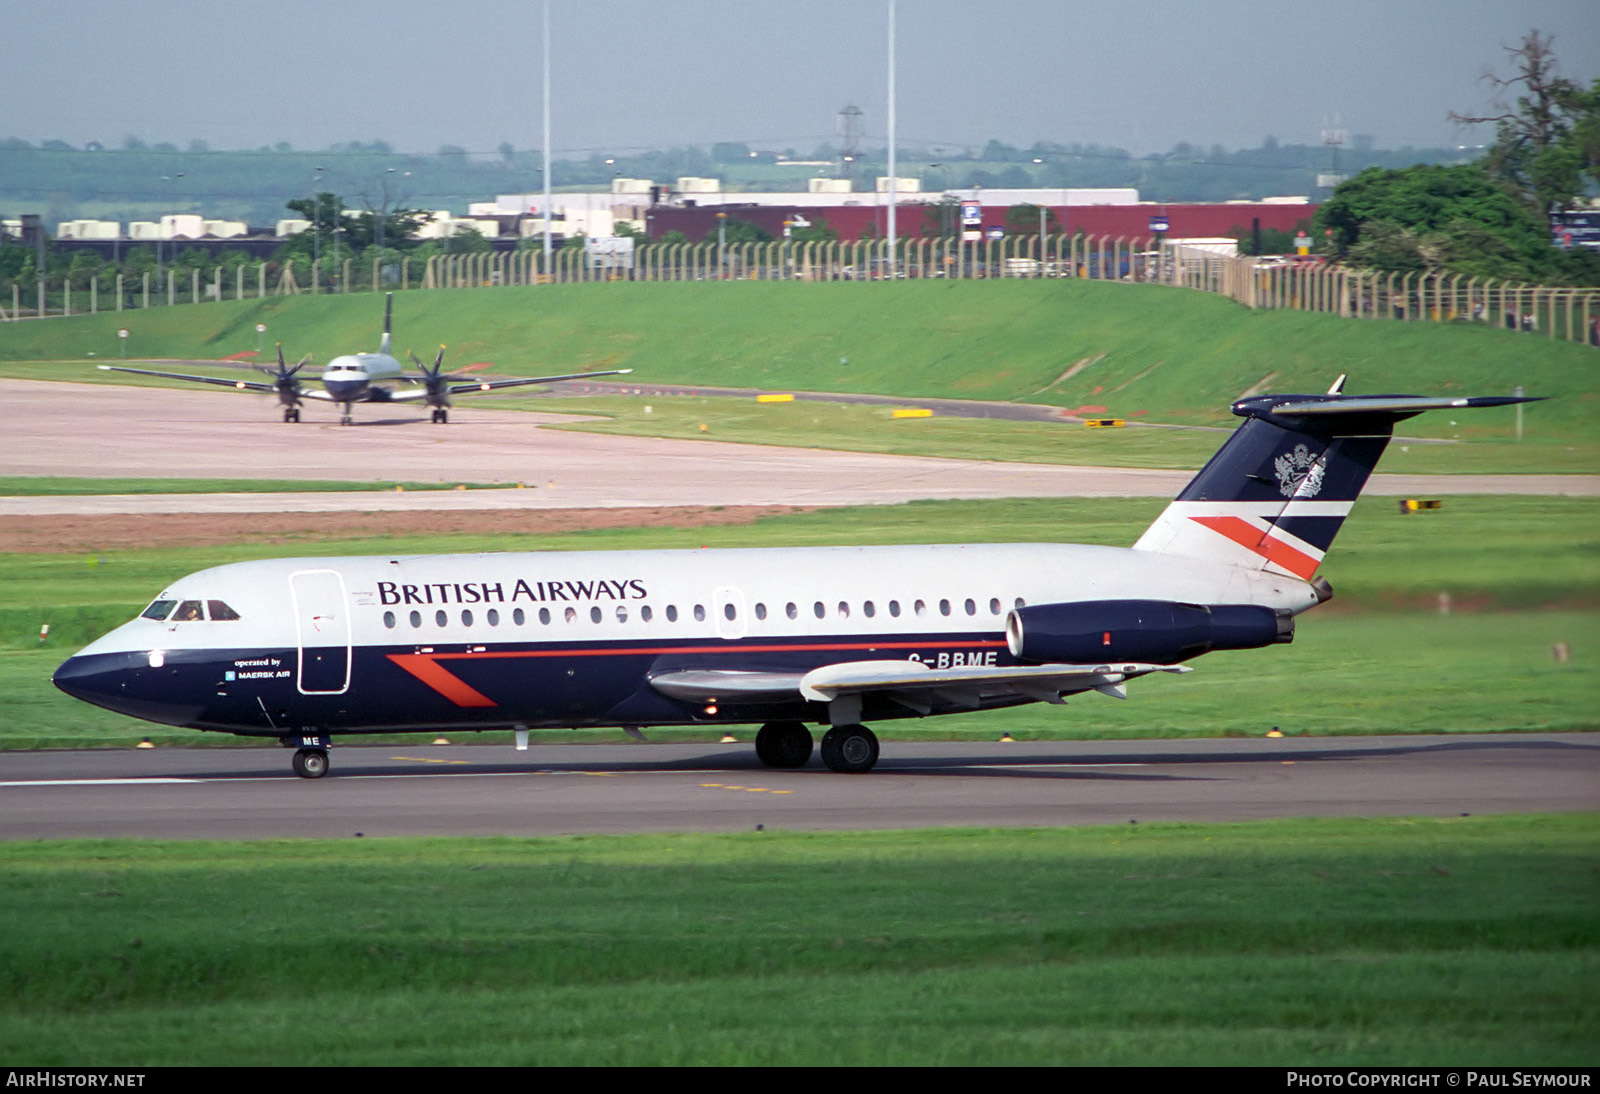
x,y
1251,538
426,667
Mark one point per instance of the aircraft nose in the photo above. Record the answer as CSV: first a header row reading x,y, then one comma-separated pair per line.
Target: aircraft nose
x,y
128,683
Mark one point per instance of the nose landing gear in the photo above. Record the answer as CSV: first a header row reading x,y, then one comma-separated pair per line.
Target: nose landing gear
x,y
311,753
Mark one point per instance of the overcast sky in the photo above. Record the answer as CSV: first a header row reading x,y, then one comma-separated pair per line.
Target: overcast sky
x,y
1137,74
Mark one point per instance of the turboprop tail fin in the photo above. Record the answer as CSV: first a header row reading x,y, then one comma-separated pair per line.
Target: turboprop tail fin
x,y
1276,493
388,314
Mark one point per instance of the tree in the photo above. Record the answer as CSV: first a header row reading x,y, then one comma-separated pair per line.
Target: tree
x,y
1547,140
1434,204
1024,219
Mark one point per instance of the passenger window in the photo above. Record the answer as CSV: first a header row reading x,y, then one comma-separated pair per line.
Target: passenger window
x,y
440,618
158,610
944,607
1021,602
994,606
544,616
700,613
466,618
729,611
672,613
220,611
188,612
388,620
493,616
819,609
920,608
844,609
894,608
622,614
594,614
518,617
791,611
868,610
972,609
416,619
645,613
570,615
761,611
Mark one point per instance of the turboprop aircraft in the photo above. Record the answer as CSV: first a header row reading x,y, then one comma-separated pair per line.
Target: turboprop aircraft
x,y
302,649
358,378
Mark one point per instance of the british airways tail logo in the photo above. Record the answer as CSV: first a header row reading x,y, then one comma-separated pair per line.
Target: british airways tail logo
x,y
1299,473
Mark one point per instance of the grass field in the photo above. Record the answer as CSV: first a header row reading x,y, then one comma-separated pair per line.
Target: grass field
x,y
1336,942
1139,350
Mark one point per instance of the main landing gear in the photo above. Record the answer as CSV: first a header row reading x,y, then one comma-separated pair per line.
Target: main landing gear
x,y
311,753
441,416
848,749
347,418
291,414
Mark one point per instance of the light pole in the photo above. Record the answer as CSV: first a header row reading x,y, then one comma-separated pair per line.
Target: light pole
x,y
722,246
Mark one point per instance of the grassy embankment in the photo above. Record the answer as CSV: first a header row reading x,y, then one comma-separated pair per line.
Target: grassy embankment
x,y
1335,942
1520,574
1145,353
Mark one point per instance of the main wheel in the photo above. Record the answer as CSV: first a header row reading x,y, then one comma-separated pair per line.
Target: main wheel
x,y
784,744
850,750
310,763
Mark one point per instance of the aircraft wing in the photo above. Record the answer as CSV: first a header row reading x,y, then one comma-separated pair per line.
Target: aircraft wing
x,y
491,385
467,386
913,684
242,385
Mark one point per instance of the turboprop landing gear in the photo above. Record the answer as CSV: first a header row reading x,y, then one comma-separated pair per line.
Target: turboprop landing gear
x,y
441,416
292,414
347,418
784,744
850,749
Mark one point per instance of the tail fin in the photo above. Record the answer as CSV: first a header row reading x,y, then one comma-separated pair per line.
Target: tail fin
x,y
1276,493
388,314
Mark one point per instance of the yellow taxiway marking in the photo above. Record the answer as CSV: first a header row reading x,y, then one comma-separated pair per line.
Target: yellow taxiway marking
x,y
429,760
747,789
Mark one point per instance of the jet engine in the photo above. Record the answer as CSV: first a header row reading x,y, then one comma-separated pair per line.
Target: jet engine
x,y
1153,631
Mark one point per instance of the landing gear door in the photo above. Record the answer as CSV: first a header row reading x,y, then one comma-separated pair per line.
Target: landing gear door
x,y
322,624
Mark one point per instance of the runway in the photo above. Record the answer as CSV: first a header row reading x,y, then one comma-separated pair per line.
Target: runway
x,y
490,789
133,432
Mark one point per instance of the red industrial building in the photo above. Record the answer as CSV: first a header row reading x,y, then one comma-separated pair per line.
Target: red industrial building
x,y
1184,221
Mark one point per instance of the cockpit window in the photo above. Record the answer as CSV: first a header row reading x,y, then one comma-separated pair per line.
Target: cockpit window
x,y
187,612
219,610
159,610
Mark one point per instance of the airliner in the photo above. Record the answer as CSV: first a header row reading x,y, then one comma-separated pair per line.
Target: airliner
x,y
359,378
303,649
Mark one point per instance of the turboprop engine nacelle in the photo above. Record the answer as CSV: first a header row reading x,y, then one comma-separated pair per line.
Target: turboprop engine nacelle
x,y
1154,631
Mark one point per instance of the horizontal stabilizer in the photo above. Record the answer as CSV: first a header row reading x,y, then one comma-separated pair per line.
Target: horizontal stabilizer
x,y
1400,405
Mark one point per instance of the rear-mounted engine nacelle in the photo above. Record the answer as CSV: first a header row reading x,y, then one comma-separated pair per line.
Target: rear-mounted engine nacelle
x,y
1154,631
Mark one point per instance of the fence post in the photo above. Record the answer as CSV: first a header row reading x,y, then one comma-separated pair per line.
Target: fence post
x,y
119,292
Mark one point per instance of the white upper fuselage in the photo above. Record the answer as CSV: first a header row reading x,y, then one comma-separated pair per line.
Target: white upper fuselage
x,y
691,595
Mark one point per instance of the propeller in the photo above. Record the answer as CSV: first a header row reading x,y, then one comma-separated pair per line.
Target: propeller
x,y
283,378
436,379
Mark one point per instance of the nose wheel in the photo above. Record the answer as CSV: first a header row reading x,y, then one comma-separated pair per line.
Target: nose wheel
x,y
310,763
441,416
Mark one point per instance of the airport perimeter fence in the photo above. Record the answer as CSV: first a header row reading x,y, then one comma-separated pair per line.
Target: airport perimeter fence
x,y
1569,314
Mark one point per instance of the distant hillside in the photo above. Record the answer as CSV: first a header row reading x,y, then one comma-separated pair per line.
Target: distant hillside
x,y
1163,353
